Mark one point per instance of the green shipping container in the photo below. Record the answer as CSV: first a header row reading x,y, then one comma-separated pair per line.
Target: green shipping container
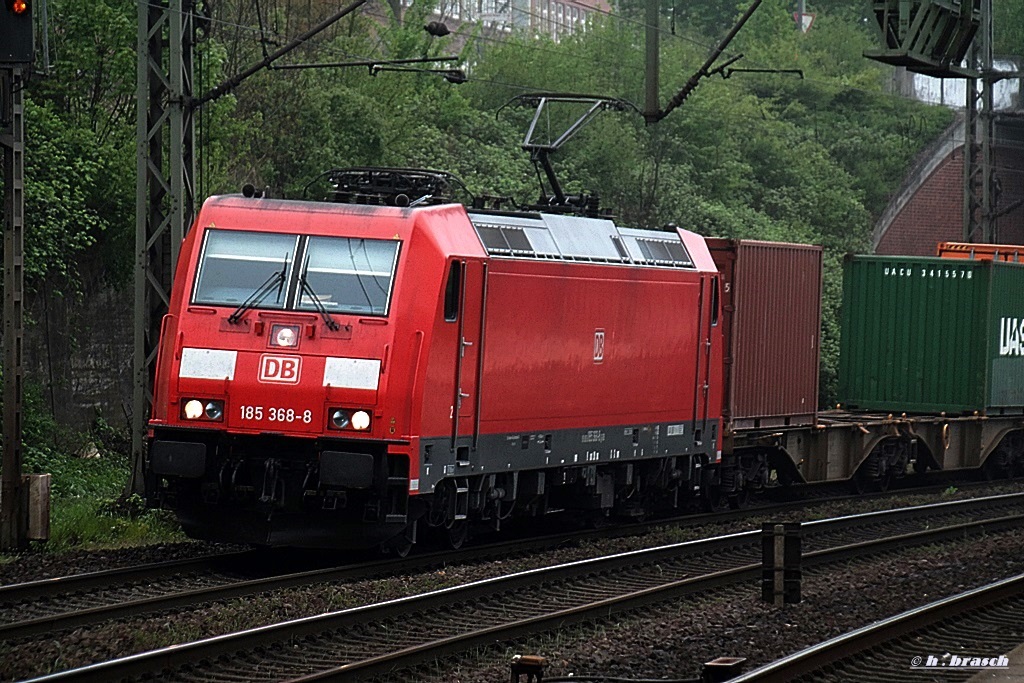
x,y
928,335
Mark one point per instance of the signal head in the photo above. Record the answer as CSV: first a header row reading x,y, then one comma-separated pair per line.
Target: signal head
x,y
16,32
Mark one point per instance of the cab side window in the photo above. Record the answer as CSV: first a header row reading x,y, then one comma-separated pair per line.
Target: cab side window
x,y
452,291
714,301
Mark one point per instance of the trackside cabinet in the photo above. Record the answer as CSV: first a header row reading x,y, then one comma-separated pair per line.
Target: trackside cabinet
x,y
927,335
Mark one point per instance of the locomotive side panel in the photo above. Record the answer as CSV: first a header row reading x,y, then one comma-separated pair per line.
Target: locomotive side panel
x,y
584,364
570,345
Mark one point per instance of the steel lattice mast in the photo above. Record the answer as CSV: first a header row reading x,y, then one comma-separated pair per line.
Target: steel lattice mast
x,y
165,190
165,184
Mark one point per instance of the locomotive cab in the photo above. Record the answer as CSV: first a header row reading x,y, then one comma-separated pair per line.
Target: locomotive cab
x,y
273,422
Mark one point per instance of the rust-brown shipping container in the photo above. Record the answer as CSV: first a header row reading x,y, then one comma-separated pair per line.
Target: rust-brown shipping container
x,y
981,252
771,305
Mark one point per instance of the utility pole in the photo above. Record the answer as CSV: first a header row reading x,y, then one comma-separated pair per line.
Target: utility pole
x,y
165,185
17,52
13,496
979,208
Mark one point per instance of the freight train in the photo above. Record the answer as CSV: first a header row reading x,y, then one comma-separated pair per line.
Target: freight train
x,y
385,361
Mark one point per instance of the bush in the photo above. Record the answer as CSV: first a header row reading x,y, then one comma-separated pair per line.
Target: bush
x,y
89,473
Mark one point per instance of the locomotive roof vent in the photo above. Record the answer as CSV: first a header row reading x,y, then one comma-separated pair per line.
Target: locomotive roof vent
x,y
402,187
575,238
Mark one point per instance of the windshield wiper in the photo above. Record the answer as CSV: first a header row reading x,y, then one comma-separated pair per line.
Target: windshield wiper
x,y
321,309
276,279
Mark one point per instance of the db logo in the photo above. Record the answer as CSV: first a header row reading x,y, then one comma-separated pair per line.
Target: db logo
x,y
598,345
280,369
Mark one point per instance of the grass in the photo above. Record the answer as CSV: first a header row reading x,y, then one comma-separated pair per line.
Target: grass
x,y
88,508
96,523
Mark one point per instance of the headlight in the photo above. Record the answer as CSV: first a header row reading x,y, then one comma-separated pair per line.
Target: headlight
x,y
340,418
284,335
214,410
360,420
193,410
349,419
204,410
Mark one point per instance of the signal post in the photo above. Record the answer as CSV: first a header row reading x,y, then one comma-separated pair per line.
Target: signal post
x,y
16,55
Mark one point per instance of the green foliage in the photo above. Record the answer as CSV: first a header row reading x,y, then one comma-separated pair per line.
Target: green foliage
x,y
85,523
756,155
80,149
59,221
1008,27
88,476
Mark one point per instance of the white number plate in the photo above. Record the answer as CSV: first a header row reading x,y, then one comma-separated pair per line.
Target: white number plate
x,y
272,414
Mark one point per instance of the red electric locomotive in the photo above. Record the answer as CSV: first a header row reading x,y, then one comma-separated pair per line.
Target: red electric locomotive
x,y
348,371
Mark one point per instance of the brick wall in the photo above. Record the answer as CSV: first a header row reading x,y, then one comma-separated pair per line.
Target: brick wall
x,y
935,212
1009,170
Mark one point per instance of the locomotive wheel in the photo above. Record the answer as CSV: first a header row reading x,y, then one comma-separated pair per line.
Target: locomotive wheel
x,y
712,499
399,547
402,544
458,532
739,500
442,505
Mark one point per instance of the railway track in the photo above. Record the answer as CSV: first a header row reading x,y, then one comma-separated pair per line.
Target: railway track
x,y
916,645
38,608
385,637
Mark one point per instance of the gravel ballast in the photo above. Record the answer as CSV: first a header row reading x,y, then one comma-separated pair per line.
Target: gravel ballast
x,y
694,631
672,641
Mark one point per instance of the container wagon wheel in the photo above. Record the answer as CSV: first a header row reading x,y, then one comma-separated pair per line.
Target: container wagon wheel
x,y
873,474
999,464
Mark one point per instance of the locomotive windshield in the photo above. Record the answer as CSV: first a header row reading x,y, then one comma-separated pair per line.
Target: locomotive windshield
x,y
337,275
349,275
236,264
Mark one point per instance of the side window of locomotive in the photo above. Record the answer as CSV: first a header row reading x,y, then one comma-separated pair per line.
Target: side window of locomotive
x,y
236,265
452,290
348,275
714,301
